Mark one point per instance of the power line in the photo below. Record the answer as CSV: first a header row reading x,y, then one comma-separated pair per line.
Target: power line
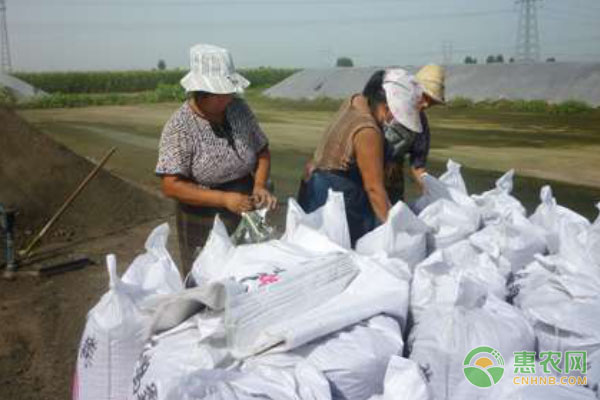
x,y
576,12
569,15
245,23
227,3
572,5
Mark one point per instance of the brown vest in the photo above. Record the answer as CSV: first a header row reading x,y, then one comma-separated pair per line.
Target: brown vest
x,y
336,149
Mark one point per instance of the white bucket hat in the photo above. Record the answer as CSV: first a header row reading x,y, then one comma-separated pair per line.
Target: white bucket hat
x,y
403,93
212,71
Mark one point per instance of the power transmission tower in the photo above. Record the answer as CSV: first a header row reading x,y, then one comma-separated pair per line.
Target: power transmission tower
x,y
528,37
5,64
447,52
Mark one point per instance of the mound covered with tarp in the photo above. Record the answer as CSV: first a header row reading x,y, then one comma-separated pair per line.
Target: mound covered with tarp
x,y
19,89
38,175
553,82
451,298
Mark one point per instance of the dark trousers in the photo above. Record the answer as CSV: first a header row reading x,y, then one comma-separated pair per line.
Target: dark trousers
x,y
195,223
359,213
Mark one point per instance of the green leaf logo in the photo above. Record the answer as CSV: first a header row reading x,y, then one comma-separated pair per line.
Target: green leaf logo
x,y
483,366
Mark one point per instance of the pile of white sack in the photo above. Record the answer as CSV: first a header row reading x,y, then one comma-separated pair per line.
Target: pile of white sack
x,y
308,317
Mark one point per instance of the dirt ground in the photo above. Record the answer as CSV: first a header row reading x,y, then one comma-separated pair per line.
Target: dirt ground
x,y
42,318
38,174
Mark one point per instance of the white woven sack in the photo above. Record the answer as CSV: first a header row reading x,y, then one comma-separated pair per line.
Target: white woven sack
x,y
496,203
443,336
403,235
118,325
436,281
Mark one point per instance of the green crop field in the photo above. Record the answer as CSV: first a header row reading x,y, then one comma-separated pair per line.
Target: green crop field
x,y
543,148
132,81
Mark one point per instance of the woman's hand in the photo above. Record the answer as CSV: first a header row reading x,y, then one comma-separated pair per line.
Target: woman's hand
x,y
263,198
238,203
417,174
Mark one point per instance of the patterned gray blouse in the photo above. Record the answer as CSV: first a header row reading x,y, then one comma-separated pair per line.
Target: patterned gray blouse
x,y
189,147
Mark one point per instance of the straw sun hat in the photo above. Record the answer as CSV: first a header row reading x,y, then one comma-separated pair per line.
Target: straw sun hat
x,y
432,78
212,71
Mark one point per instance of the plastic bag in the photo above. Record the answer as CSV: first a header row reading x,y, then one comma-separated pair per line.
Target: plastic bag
x,y
403,235
497,203
253,228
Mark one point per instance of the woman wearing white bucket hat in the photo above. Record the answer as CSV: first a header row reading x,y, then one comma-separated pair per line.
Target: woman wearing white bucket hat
x,y
402,141
213,155
351,155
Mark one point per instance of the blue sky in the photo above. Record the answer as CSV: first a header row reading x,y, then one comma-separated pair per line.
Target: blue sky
x,y
135,34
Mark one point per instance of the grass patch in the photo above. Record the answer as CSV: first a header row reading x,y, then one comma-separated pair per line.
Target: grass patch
x,y
168,93
163,93
174,92
527,106
497,128
7,99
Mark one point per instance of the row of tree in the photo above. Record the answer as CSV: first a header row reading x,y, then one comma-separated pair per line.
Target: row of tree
x,y
498,59
347,61
341,62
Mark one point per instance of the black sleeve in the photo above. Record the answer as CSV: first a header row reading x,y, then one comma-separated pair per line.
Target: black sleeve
x,y
420,148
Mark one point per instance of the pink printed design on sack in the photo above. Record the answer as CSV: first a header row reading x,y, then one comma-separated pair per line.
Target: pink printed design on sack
x,y
268,279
